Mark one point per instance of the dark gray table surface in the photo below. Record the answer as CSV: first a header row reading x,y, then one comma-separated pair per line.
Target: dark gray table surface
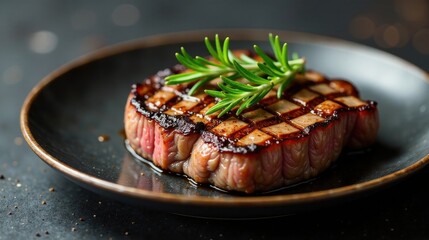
x,y
36,37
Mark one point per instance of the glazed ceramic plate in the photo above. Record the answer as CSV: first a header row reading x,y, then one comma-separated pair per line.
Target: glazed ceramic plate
x,y
68,112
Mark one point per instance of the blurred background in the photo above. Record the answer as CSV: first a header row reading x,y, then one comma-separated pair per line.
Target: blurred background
x,y
53,32
37,37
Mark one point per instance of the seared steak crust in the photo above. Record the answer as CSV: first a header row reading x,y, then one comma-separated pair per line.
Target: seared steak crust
x,y
275,143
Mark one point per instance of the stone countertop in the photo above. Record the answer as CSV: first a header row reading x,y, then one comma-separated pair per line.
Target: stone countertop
x,y
38,37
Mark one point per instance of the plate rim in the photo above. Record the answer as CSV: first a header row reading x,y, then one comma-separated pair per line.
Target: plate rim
x,y
196,36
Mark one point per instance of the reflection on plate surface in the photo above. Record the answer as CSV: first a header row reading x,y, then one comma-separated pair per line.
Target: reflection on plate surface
x,y
63,116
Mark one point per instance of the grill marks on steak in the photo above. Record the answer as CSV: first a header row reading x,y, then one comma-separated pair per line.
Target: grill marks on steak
x,y
276,143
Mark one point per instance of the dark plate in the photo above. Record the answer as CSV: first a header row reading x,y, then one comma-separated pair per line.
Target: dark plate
x,y
67,111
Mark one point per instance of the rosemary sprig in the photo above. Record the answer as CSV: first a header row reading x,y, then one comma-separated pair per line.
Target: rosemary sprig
x,y
261,76
204,70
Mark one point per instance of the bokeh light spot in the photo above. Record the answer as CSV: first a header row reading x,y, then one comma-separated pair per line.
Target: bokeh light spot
x,y
421,41
43,42
362,27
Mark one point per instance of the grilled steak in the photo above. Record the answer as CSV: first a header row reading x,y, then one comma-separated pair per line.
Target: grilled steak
x,y
275,143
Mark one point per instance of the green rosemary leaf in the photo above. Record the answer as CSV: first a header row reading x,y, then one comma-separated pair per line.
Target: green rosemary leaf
x,y
183,78
199,84
295,56
264,93
207,62
278,52
254,100
231,105
284,60
223,103
214,93
299,61
243,106
260,96
210,48
299,67
229,89
231,57
266,58
273,44
249,75
219,49
247,60
282,88
188,57
190,63
235,76
226,53
237,85
269,71
251,101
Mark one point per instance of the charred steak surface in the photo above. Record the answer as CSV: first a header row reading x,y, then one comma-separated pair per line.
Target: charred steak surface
x,y
276,143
